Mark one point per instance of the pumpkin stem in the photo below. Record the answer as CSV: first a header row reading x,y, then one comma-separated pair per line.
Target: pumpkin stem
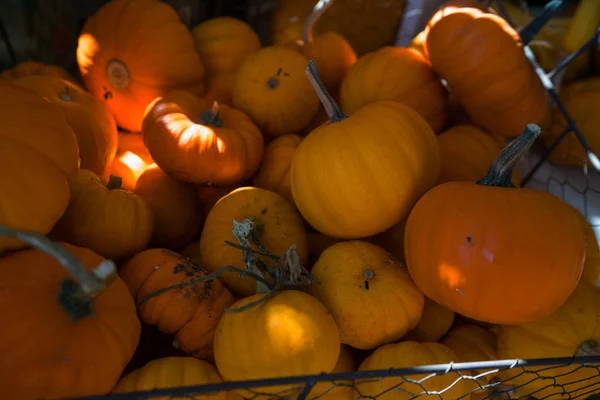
x,y
114,182
317,11
588,348
500,172
211,118
333,110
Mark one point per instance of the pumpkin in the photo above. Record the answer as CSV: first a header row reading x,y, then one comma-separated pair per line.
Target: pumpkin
x,y
299,328
481,248
360,283
38,162
129,167
208,196
581,100
591,267
337,390
392,240
317,244
466,153
281,227
174,372
328,177
199,307
396,74
34,68
195,142
192,251
410,355
73,326
130,52
481,58
572,330
90,119
274,171
104,218
134,143
435,321
271,87
223,43
177,217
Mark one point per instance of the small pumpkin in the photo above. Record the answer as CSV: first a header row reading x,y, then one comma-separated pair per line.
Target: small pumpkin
x,y
68,315
89,118
392,240
129,167
208,196
481,249
197,142
177,217
360,283
105,218
274,171
34,68
134,143
338,390
131,52
271,87
223,43
199,306
396,74
328,177
281,227
192,251
299,328
435,321
317,244
591,267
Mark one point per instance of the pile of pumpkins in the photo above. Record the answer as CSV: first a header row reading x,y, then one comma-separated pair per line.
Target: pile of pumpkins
x,y
380,189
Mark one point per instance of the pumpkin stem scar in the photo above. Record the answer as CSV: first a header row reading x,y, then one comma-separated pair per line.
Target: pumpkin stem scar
x,y
65,97
74,301
333,110
117,74
588,348
272,82
114,182
500,172
316,13
211,118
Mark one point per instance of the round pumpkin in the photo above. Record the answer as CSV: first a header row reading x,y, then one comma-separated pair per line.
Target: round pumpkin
x,y
131,52
274,171
329,177
134,143
89,118
271,87
177,217
396,74
39,159
199,307
302,340
223,43
129,167
34,68
392,240
317,244
337,390
481,58
104,218
192,251
64,338
208,195
435,321
282,227
466,242
410,355
591,267
197,142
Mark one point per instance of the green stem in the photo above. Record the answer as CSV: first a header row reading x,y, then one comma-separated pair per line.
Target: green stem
x,y
500,172
333,110
114,182
211,118
318,10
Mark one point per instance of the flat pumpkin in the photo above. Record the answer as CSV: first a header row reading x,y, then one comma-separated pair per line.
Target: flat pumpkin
x,y
105,218
131,52
199,306
34,68
435,321
360,283
196,141
466,243
89,118
396,74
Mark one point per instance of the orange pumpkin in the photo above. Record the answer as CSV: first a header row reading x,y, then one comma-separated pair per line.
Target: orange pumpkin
x,y
392,240
274,171
317,244
481,58
435,321
73,327
104,218
591,267
192,251
177,217
34,68
360,283
466,242
129,167
38,162
131,52
199,307
281,224
208,196
396,74
223,43
90,119
194,142
134,143
271,87
328,174
338,390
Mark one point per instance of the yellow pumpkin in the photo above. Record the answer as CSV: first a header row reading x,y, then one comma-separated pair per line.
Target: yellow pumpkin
x,y
434,323
338,390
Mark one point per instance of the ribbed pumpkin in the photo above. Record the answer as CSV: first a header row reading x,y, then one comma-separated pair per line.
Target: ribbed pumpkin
x,y
396,74
481,58
34,68
196,141
89,118
223,43
435,321
134,143
340,390
360,283
39,159
131,52
329,177
131,160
